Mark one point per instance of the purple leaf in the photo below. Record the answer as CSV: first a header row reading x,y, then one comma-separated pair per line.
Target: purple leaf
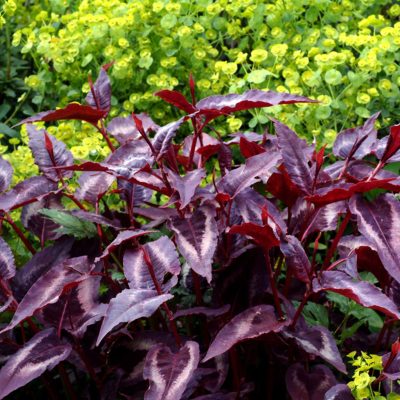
x,y
296,258
39,264
99,95
71,111
378,222
186,185
134,195
93,185
27,191
251,323
225,158
169,373
163,138
163,257
96,218
6,173
339,392
124,128
324,218
44,351
196,238
361,292
49,153
208,312
7,264
356,142
309,385
380,147
318,341
177,99
256,168
49,287
83,308
294,152
128,306
214,106
122,237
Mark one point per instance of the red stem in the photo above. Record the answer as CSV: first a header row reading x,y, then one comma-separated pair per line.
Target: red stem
x,y
273,286
25,241
103,132
336,239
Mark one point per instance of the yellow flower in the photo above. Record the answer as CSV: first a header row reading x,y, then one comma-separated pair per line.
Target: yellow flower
x,y
385,84
258,55
33,81
157,6
234,124
122,42
241,58
363,98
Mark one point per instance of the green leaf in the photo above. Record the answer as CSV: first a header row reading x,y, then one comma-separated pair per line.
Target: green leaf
x,y
69,224
259,75
168,21
4,109
6,130
316,314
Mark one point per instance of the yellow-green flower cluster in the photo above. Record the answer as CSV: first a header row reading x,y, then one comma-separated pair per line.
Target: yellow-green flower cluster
x,y
344,51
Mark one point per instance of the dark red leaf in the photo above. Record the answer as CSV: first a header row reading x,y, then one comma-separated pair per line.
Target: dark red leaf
x,y
43,352
344,191
71,111
249,149
169,373
177,99
215,106
264,235
208,312
393,143
249,324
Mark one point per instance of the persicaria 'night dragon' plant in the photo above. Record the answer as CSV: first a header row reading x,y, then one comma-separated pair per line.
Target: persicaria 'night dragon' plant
x,y
200,269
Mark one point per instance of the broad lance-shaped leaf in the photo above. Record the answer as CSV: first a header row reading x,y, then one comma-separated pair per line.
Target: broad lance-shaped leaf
x,y
43,352
163,257
196,238
379,223
356,142
312,385
177,99
128,306
71,111
317,340
7,263
344,191
123,237
93,185
186,185
361,292
294,152
169,373
214,106
393,143
163,138
256,168
99,95
49,153
251,323
27,191
124,128
296,258
6,173
49,287
263,235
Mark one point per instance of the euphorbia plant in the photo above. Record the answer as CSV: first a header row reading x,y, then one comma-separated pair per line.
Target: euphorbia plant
x,y
199,284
